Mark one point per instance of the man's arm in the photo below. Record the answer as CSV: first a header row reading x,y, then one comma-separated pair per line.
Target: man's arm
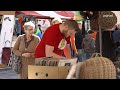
x,y
49,52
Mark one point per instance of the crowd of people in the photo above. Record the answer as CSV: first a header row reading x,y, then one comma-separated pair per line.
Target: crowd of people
x,y
58,41
63,39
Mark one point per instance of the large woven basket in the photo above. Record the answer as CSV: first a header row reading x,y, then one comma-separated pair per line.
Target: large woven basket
x,y
94,25
97,68
107,19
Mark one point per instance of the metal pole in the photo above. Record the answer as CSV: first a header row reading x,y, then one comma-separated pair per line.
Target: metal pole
x,y
100,37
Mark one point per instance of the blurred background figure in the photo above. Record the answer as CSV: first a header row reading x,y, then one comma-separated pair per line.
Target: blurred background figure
x,y
39,31
88,44
56,21
78,42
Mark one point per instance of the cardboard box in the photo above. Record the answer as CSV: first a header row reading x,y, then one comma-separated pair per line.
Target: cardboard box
x,y
60,62
47,72
46,68
63,72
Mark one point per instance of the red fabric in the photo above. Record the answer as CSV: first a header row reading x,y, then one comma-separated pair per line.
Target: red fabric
x,y
20,19
52,37
95,35
6,55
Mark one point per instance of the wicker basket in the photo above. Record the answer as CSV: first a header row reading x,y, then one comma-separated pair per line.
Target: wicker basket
x,y
97,68
94,24
107,19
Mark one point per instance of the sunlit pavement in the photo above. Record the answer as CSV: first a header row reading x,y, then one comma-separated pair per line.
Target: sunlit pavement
x,y
7,73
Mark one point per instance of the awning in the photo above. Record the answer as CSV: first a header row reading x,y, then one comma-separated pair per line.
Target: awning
x,y
60,14
65,13
49,14
33,13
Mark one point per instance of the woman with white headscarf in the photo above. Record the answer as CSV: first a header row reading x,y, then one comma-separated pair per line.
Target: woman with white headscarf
x,y
25,46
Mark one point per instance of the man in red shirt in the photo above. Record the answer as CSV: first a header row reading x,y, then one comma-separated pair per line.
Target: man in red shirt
x,y
55,39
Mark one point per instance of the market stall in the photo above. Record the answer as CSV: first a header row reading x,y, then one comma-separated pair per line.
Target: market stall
x,y
104,25
42,18
6,33
49,14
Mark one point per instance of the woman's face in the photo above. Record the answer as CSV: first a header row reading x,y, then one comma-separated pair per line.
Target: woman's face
x,y
29,30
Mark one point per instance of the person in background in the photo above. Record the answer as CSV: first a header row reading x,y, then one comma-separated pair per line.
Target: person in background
x,y
78,42
25,46
56,21
39,32
22,27
88,44
18,22
55,39
116,42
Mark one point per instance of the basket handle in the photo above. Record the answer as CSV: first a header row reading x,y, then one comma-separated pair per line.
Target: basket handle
x,y
96,55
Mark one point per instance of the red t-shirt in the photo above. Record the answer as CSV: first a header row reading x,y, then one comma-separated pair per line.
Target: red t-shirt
x,y
53,37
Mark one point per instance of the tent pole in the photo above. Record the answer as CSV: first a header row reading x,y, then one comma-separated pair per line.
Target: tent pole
x,y
100,37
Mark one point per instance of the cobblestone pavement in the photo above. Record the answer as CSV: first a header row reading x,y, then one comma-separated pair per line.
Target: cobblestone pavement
x,y
7,73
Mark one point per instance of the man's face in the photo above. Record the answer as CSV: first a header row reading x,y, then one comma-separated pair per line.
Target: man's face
x,y
68,31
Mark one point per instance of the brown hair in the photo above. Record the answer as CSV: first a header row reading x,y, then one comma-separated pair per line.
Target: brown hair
x,y
71,24
90,31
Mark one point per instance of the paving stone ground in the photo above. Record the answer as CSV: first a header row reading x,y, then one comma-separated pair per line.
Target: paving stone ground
x,y
8,73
